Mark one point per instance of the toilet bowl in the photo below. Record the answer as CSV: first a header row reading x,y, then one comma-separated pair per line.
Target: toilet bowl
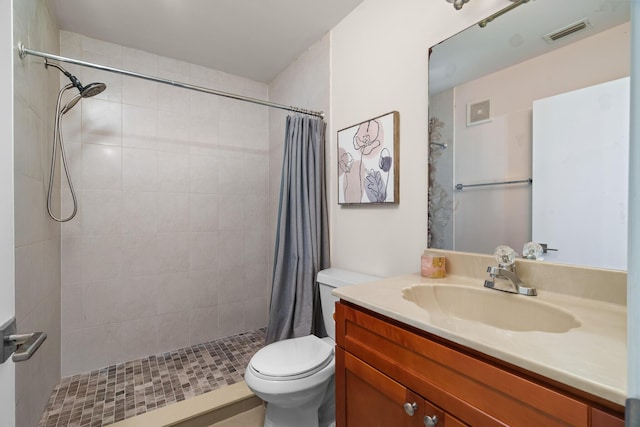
x,y
295,377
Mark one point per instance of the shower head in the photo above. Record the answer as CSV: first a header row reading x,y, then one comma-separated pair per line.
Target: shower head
x,y
92,89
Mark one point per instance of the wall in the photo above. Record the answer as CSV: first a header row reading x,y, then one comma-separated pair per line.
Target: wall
x,y
501,149
304,83
7,246
169,248
37,238
379,64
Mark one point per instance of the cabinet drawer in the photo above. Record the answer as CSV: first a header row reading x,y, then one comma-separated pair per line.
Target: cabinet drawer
x,y
475,391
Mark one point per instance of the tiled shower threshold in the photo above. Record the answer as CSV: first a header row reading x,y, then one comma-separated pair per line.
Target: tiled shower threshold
x,y
200,411
119,392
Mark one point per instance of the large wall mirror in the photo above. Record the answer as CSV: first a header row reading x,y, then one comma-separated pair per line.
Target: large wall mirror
x,y
528,133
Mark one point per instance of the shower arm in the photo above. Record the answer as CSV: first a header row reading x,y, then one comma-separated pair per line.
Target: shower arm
x,y
24,51
74,79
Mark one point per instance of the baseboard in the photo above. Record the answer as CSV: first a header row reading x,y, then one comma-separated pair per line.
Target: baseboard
x,y
199,411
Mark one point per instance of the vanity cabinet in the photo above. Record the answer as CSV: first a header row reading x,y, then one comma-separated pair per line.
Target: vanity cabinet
x,y
381,365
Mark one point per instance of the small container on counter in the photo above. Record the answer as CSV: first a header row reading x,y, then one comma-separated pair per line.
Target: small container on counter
x,y
433,266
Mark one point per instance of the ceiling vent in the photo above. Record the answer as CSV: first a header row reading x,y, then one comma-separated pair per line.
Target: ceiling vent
x,y
565,31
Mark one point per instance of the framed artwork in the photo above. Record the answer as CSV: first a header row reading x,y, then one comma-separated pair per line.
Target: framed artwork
x,y
368,161
478,112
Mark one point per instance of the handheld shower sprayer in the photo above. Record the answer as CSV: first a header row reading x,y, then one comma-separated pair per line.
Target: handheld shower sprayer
x,y
69,105
87,91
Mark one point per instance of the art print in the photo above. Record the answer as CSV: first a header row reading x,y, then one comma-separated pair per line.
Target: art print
x,y
368,161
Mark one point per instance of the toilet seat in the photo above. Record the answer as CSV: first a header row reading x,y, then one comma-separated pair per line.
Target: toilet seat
x,y
291,359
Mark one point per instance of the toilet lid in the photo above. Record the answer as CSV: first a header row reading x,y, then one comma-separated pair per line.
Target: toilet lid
x,y
292,357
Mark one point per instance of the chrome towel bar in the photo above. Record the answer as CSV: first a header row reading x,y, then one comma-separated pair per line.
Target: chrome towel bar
x,y
520,181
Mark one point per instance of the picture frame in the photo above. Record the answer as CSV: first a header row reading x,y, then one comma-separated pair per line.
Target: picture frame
x,y
368,161
479,112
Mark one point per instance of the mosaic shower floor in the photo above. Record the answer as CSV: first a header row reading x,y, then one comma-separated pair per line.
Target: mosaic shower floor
x,y
117,392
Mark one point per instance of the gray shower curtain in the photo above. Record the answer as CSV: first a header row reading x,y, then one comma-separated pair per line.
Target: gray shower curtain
x,y
302,237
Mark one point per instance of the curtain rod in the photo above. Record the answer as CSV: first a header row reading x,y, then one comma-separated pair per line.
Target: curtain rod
x,y
23,51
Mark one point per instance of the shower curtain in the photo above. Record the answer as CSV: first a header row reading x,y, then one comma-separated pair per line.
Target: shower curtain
x,y
302,237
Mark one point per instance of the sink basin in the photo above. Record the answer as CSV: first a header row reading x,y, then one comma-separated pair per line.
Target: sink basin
x,y
498,309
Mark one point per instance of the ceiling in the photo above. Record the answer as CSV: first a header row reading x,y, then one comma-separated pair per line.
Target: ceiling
x,y
256,39
517,36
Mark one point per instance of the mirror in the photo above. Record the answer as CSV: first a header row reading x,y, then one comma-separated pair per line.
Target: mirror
x,y
483,154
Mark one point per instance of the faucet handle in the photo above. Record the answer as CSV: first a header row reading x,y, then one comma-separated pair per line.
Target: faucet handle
x,y
505,255
533,250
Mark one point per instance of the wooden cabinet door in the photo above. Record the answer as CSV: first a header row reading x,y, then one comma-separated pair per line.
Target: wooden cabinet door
x,y
603,419
451,421
371,399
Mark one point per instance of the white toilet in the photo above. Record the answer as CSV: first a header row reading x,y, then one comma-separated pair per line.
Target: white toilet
x,y
295,376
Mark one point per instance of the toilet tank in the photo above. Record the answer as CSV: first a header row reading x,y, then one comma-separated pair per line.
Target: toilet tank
x,y
334,278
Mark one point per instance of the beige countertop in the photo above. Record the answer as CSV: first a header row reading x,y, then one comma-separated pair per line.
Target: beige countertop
x,y
591,357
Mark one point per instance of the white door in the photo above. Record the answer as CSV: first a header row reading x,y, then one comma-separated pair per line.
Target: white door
x,y
7,285
580,175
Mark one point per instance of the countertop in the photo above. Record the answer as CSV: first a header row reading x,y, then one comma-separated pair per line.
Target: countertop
x,y
591,357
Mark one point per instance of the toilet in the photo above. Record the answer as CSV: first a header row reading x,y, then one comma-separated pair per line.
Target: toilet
x,y
295,377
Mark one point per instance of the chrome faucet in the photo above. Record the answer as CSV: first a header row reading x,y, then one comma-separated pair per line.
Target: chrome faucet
x,y
506,270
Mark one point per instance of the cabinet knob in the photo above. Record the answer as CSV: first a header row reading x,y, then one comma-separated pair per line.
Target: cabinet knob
x,y
410,408
430,421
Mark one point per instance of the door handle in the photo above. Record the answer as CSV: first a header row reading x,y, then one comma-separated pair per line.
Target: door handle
x,y
23,346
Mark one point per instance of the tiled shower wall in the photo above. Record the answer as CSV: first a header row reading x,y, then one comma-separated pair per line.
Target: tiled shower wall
x,y
170,245
37,238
